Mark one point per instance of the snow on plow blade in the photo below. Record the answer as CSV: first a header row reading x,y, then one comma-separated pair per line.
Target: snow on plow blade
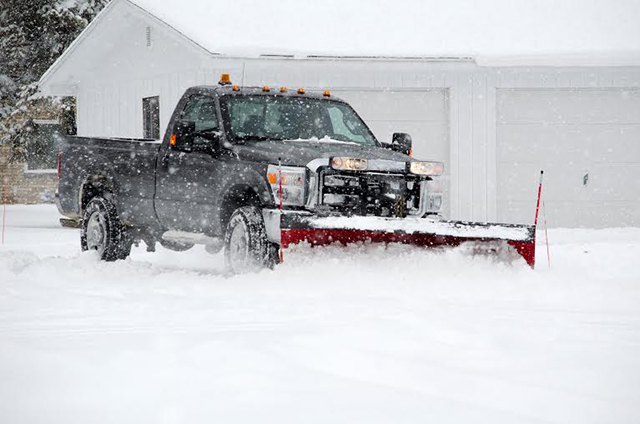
x,y
316,231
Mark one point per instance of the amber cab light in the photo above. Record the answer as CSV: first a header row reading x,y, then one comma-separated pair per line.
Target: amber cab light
x,y
225,79
283,89
266,89
300,90
327,93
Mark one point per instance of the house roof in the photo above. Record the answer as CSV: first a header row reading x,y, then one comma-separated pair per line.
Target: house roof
x,y
494,32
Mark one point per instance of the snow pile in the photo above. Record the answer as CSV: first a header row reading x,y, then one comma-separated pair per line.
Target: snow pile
x,y
364,334
423,226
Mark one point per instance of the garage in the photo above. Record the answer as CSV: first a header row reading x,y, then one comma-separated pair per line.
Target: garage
x,y
423,114
587,141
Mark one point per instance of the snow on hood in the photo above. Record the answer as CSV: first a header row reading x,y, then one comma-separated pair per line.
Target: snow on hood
x,y
301,152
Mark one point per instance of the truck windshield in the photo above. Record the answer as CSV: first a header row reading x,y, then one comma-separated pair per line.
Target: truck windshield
x,y
265,117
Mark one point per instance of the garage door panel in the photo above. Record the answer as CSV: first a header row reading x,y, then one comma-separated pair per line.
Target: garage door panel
x,y
549,143
614,182
588,143
589,106
520,182
430,106
575,215
565,144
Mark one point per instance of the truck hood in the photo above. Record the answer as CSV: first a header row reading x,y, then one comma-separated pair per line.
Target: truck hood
x,y
301,152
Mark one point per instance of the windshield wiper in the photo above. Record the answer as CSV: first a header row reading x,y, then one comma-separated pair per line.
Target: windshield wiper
x,y
257,138
326,140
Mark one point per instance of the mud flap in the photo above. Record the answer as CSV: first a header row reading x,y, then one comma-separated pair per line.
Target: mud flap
x,y
488,238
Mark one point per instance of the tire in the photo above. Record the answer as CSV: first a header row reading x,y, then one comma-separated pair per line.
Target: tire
x,y
102,231
175,245
246,247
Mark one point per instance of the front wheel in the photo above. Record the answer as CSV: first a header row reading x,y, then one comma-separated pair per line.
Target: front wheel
x,y
246,247
103,232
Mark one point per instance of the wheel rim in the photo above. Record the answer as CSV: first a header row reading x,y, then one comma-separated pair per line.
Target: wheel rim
x,y
97,232
239,249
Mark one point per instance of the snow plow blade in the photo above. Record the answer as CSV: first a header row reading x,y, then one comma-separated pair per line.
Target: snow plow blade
x,y
317,231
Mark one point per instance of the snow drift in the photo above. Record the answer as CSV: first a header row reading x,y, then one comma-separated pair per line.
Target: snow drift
x,y
366,334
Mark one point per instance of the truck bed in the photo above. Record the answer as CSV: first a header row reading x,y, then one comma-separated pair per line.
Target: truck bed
x,y
126,165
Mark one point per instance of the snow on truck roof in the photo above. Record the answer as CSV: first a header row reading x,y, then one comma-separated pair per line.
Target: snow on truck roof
x,y
493,32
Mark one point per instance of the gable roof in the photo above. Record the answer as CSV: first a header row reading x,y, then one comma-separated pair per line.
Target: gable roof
x,y
491,32
100,41
572,32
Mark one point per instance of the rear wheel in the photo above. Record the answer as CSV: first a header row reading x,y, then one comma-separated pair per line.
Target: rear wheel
x,y
246,247
103,232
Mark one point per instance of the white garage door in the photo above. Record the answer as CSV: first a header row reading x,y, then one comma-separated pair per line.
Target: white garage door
x,y
588,143
423,114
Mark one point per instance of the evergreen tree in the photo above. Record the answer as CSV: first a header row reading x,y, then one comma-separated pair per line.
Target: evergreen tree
x,y
33,34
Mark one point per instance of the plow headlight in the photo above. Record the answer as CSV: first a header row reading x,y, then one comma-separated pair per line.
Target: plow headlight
x,y
293,184
349,164
426,168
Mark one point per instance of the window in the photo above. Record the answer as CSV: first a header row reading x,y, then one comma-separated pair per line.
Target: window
x,y
202,111
151,117
346,127
293,118
43,146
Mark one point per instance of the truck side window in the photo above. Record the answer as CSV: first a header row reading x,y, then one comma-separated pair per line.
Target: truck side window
x,y
202,111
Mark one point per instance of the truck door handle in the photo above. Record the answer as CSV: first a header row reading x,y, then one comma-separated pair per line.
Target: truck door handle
x,y
165,159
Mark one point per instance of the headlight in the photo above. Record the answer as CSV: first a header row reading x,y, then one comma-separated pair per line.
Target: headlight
x,y
349,164
293,184
427,168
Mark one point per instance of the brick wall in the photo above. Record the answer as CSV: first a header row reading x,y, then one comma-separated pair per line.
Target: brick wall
x,y
25,187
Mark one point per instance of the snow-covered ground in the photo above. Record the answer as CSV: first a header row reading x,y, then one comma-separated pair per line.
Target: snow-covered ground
x,y
363,335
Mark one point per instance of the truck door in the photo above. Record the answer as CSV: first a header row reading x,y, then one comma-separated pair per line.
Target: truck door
x,y
186,181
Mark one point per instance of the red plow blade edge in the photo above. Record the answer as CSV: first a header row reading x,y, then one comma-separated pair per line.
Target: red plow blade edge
x,y
297,228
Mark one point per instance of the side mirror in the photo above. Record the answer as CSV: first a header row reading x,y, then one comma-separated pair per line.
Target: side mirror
x,y
213,136
183,135
401,142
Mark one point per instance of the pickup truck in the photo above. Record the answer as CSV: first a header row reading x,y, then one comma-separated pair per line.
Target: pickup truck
x,y
232,160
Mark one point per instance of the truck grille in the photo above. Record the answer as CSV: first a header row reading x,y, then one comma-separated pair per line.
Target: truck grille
x,y
386,195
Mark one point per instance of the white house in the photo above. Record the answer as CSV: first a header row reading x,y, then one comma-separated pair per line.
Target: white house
x,y
497,91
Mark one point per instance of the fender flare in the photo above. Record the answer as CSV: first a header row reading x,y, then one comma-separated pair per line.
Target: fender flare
x,y
244,182
102,174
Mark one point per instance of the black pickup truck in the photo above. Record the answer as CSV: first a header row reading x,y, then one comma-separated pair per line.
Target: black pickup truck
x,y
231,160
